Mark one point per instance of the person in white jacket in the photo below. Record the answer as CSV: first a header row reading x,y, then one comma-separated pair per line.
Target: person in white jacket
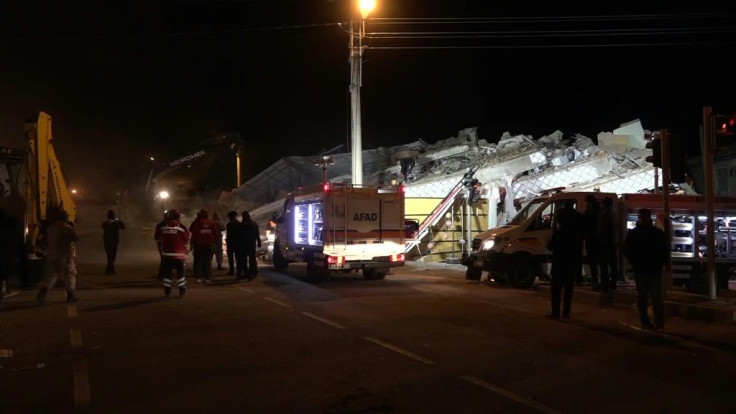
x,y
60,259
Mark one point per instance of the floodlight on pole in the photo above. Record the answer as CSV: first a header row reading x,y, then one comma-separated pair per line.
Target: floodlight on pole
x,y
357,32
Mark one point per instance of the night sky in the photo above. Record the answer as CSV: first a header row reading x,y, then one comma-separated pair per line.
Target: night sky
x,y
126,80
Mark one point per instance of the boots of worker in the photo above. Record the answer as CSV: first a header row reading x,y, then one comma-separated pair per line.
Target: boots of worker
x,y
41,296
167,292
71,296
182,291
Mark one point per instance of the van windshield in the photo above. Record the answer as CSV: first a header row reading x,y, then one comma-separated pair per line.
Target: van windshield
x,y
528,210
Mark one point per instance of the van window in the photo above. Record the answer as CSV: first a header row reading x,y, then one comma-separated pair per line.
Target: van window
x,y
527,211
543,220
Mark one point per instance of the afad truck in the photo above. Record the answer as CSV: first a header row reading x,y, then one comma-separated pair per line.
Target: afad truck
x,y
516,253
338,227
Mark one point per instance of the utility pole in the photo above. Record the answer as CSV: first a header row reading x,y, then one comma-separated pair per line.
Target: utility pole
x,y
665,151
708,133
357,33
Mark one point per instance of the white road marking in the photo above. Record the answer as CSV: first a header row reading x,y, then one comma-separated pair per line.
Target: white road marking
x,y
333,324
510,395
245,290
399,350
285,305
75,337
431,291
71,311
82,395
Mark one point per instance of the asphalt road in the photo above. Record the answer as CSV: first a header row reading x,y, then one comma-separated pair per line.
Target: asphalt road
x,y
424,340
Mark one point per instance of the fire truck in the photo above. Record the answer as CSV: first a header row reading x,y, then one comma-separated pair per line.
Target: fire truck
x,y
338,227
516,253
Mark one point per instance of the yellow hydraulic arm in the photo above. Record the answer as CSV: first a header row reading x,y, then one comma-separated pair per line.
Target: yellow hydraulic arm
x,y
47,188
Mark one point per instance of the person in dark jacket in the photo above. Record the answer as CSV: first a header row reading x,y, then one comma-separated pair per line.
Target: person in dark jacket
x,y
232,241
607,238
251,237
566,245
647,250
110,239
157,230
218,241
592,248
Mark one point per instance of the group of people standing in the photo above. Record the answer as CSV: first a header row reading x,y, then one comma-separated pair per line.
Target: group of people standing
x,y
204,237
594,231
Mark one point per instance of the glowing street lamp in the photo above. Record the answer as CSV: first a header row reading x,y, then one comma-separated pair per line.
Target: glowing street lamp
x,y
357,33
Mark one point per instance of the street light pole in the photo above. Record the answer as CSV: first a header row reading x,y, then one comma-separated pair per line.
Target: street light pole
x,y
357,32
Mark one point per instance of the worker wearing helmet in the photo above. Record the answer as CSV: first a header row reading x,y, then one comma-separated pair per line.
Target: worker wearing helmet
x,y
173,237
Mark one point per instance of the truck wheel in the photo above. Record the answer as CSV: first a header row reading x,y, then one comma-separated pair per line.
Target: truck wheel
x,y
369,274
522,272
380,275
473,273
279,261
314,273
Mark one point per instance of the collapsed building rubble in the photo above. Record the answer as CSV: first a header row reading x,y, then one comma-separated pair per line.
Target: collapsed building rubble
x,y
516,168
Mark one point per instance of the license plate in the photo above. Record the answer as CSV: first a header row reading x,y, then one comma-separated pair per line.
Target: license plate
x,y
340,266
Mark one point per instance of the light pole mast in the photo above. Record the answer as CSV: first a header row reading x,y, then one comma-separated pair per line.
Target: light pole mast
x,y
357,32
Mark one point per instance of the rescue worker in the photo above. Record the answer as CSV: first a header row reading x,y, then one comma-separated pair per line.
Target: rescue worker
x,y
251,237
203,245
110,239
60,258
218,241
647,249
173,237
231,240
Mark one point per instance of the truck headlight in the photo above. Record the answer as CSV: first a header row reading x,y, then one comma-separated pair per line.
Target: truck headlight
x,y
488,244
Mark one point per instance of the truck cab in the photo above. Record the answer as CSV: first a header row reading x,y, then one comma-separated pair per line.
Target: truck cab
x,y
517,252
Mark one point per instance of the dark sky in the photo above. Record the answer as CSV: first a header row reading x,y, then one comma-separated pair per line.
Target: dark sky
x,y
124,80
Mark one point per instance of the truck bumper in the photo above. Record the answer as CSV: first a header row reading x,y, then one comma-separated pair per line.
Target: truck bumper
x,y
487,260
362,264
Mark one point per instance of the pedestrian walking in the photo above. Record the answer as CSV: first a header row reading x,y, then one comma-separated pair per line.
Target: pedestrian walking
x,y
218,240
566,245
647,250
110,239
60,258
173,237
591,217
203,241
232,240
251,238
157,231
607,239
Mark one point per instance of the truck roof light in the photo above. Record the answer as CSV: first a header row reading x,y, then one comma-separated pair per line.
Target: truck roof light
x,y
326,187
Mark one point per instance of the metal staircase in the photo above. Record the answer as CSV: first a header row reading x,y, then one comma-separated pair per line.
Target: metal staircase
x,y
438,212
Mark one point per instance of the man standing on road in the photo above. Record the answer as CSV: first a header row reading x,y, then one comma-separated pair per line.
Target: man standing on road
x,y
251,239
60,259
647,249
232,239
608,246
566,245
173,237
218,240
110,239
157,231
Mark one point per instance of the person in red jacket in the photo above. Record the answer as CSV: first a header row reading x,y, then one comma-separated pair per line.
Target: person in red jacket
x,y
203,242
173,238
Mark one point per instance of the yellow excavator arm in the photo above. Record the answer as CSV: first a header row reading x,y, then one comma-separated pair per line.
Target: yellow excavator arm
x,y
47,187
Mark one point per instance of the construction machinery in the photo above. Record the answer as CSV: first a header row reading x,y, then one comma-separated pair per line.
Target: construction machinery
x,y
33,188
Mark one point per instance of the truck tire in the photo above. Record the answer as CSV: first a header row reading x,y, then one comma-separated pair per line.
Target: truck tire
x,y
473,273
315,274
373,274
279,261
523,271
